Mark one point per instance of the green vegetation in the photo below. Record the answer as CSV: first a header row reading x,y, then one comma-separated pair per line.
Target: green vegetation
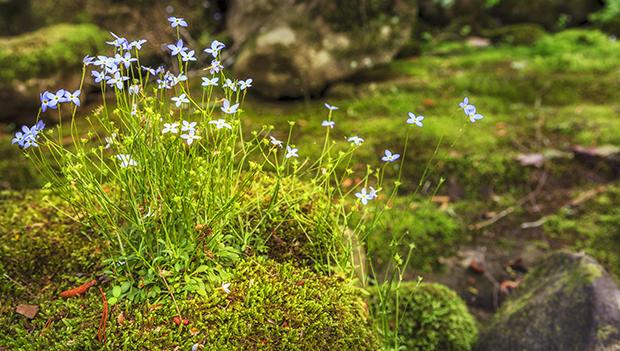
x,y
56,49
592,227
432,318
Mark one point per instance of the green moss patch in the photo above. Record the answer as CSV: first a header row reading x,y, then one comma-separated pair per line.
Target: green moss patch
x,y
432,317
270,306
48,51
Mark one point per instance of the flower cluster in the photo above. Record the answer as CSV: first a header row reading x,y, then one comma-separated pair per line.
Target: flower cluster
x,y
470,110
53,100
27,137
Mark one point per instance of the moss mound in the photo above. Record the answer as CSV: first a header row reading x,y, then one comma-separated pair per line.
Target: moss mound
x,y
46,51
432,317
271,306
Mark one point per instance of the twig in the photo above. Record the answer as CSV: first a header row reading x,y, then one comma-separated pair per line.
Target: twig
x,y
104,318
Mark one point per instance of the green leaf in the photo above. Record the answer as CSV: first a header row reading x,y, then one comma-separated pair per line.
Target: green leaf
x,y
125,286
117,291
112,301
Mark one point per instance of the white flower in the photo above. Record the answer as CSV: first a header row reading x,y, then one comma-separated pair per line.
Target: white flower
x,y
330,107
230,85
188,126
275,141
355,140
170,128
110,140
126,160
330,124
134,89
227,108
179,100
417,120
220,123
190,137
226,287
244,84
291,152
208,82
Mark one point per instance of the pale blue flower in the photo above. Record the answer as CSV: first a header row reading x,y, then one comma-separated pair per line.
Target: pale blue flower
x,y
291,152
118,42
230,85
215,67
470,110
188,126
134,89
88,60
177,21
227,108
275,142
57,98
220,123
330,124
244,84
209,82
216,47
364,195
117,80
189,56
330,107
99,76
417,120
190,137
137,44
177,48
125,59
465,103
46,101
179,100
355,140
149,70
126,160
475,117
390,157
27,137
73,97
170,128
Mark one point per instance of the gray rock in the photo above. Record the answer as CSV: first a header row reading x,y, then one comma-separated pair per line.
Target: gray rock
x,y
568,302
297,48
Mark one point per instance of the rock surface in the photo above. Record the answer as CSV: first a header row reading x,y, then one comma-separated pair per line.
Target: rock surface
x,y
568,302
296,48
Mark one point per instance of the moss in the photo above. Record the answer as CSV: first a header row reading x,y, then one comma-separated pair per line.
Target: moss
x,y
271,307
36,243
48,51
433,317
591,227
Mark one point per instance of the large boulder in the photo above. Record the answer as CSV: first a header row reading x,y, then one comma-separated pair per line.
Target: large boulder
x,y
568,302
296,48
478,14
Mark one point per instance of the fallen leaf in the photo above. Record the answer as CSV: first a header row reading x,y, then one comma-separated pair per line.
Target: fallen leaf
x,y
121,318
508,285
28,311
476,267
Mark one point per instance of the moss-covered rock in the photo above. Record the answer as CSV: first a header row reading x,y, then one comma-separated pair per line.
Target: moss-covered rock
x,y
431,318
270,306
568,302
45,52
296,49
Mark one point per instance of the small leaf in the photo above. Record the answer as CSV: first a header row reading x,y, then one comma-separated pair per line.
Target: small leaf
x,y
125,286
117,291
112,301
